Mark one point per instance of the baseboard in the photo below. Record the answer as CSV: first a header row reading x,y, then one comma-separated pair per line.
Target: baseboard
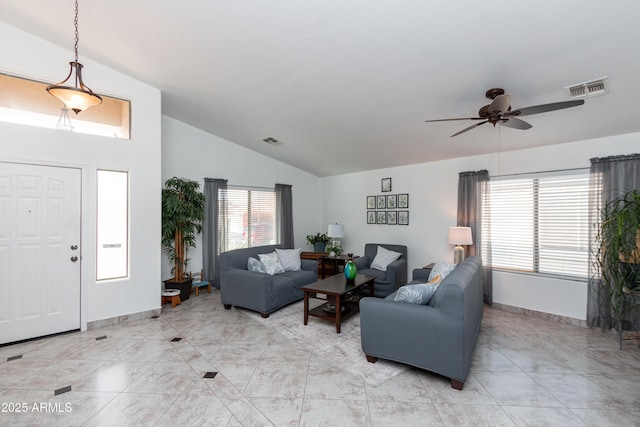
x,y
541,315
124,318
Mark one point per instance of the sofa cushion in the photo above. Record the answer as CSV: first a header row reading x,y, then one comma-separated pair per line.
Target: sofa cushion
x,y
255,265
289,258
271,263
441,269
416,294
383,258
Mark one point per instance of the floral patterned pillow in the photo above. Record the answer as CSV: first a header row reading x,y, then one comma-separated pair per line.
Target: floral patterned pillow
x,y
420,293
255,266
441,269
271,263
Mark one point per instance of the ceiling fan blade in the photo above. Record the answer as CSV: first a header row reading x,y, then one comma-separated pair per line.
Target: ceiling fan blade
x,y
469,128
514,123
450,120
544,108
500,104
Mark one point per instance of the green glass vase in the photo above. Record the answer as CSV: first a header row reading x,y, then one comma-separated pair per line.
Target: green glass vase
x,y
350,270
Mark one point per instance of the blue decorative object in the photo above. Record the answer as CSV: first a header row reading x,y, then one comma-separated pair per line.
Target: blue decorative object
x,y
350,270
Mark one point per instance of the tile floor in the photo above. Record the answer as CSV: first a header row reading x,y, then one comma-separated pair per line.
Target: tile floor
x,y
525,372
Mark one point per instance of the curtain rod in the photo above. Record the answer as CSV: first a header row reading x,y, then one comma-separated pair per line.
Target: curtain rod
x,y
531,173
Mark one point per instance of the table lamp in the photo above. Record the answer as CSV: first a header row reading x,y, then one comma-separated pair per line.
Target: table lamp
x,y
459,236
336,232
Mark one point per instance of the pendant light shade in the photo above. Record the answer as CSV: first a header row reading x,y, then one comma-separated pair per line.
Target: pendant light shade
x,y
78,97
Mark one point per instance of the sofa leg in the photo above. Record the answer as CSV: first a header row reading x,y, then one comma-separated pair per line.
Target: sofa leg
x,y
227,306
264,315
372,359
456,384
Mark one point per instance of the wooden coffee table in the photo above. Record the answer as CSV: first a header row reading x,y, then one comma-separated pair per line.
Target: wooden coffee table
x,y
344,295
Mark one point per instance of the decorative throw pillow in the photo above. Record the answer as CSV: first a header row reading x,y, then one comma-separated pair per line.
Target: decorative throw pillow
x,y
435,281
289,258
255,266
271,263
420,293
441,269
383,258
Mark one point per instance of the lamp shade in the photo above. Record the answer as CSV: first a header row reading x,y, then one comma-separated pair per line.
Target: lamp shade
x,y
460,236
336,230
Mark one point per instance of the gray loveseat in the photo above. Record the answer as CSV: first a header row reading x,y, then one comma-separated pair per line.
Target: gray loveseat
x,y
438,337
261,292
386,281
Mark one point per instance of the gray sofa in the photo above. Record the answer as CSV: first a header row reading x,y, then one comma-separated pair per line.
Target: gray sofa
x,y
261,292
438,337
386,281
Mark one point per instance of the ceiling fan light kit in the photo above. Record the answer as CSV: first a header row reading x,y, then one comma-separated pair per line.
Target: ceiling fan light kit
x,y
499,111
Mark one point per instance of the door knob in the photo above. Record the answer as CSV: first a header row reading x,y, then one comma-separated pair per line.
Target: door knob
x,y
74,258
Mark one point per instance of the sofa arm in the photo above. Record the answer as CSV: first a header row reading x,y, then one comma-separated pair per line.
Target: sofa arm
x,y
362,262
421,274
309,265
397,273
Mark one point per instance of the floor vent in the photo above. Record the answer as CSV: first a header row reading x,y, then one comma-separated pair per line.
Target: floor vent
x,y
589,89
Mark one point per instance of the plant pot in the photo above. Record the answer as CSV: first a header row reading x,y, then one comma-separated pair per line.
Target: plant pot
x,y
631,274
318,247
184,287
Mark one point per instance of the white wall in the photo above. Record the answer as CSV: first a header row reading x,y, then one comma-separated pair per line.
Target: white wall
x,y
31,57
433,189
191,153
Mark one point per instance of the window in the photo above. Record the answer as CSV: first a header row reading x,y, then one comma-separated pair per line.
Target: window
x,y
251,218
538,223
112,254
27,102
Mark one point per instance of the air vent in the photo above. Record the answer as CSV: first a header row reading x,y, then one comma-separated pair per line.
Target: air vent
x,y
272,141
589,89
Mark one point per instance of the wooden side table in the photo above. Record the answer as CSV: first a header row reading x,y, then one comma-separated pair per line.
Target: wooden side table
x,y
314,256
334,261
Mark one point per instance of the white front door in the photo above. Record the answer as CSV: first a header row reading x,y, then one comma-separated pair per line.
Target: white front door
x,y
39,250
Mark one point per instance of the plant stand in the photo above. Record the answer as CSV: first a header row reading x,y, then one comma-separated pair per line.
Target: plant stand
x,y
184,287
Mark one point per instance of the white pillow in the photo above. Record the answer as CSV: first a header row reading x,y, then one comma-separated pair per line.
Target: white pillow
x,y
383,258
271,263
255,266
441,269
289,258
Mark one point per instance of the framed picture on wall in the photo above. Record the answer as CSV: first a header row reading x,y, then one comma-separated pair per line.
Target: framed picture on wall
x,y
392,217
371,202
382,202
403,217
381,217
386,185
403,201
371,217
392,201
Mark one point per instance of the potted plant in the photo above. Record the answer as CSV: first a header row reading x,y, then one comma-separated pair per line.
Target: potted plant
x,y
333,250
182,215
318,241
619,251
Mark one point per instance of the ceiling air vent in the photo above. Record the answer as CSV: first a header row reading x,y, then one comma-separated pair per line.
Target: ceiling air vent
x,y
272,141
589,89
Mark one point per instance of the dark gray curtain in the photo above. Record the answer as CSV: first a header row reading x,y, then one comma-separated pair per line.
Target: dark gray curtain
x,y
610,178
284,207
214,227
472,186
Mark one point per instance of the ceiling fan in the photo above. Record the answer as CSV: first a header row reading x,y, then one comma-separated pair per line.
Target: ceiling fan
x,y
499,111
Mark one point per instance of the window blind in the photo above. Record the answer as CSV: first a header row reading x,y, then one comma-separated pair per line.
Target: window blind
x,y
538,224
251,218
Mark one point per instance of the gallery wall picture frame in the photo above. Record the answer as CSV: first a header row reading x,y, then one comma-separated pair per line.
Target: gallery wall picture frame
x,y
403,201
381,217
381,202
386,185
403,217
392,201
392,217
371,202
371,217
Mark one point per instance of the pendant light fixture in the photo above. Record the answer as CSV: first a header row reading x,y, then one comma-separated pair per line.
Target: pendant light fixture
x,y
78,97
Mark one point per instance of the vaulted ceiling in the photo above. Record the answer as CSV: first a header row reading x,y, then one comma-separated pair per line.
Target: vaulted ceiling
x,y
347,85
